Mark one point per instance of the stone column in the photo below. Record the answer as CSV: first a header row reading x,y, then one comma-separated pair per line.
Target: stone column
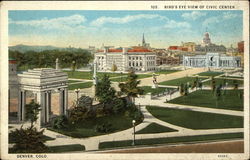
x,y
61,102
47,106
21,105
65,101
40,100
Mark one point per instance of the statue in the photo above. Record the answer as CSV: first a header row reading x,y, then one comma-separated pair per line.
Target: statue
x,y
155,85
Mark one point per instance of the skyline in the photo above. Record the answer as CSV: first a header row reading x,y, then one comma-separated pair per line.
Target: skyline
x,y
123,28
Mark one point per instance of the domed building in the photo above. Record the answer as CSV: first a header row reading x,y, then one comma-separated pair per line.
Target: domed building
x,y
206,40
208,46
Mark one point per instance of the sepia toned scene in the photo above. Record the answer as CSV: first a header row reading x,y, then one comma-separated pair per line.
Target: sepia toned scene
x,y
101,81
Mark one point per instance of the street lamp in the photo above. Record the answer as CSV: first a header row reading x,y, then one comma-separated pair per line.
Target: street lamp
x,y
133,122
77,94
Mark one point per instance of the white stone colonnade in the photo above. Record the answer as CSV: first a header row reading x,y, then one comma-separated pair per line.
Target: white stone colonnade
x,y
43,82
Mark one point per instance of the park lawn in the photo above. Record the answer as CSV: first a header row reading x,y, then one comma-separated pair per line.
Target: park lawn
x,y
123,79
210,73
166,71
179,81
66,148
155,128
154,91
89,75
80,85
195,120
219,81
232,77
171,140
73,81
87,128
204,98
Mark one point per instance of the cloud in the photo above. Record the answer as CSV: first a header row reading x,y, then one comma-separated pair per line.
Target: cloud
x,y
122,20
229,15
211,20
67,23
193,15
174,24
222,17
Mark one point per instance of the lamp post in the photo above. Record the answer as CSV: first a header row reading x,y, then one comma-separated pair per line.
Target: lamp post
x,y
133,122
77,94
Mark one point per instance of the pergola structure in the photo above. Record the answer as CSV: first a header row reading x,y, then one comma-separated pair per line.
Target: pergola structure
x,y
42,82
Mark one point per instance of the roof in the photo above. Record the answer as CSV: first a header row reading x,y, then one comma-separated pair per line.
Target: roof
x,y
128,50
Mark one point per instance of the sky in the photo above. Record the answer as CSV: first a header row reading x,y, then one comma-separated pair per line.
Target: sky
x,y
78,28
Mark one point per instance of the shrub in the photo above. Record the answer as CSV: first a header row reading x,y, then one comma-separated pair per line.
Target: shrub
x,y
60,122
28,140
103,128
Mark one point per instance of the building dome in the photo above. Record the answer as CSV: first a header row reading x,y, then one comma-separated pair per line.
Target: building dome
x,y
206,40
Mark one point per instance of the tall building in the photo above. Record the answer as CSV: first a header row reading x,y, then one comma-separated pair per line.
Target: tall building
x,y
139,59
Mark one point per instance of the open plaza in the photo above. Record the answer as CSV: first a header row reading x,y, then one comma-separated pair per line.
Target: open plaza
x,y
170,116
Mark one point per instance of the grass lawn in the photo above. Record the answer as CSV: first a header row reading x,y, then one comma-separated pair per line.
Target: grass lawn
x,y
154,91
195,120
80,85
179,81
166,71
171,140
205,98
87,128
73,81
219,81
89,75
66,148
123,79
233,77
155,128
210,73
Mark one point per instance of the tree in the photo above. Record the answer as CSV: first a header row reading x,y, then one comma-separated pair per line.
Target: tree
x,y
195,83
186,89
130,87
200,85
217,94
213,84
32,111
104,92
236,85
114,68
181,89
28,140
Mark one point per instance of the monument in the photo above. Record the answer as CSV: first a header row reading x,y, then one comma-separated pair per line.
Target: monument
x,y
43,82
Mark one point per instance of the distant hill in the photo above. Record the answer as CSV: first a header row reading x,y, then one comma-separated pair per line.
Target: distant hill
x,y
25,48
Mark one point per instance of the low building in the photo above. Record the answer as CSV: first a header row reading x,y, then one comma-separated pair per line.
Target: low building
x,y
212,60
241,47
139,59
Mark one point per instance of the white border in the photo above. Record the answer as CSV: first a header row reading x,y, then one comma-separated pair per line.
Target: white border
x,y
113,5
